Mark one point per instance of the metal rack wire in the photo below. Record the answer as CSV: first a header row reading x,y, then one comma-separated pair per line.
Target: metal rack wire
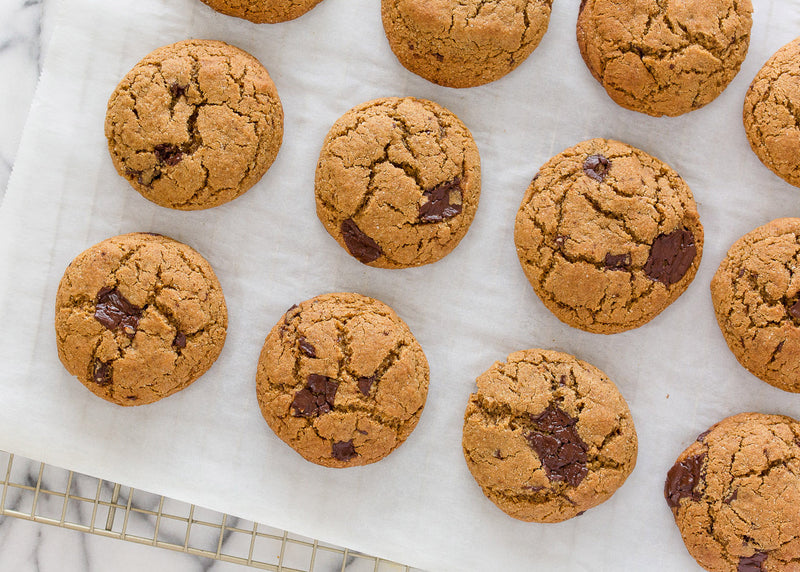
x,y
49,495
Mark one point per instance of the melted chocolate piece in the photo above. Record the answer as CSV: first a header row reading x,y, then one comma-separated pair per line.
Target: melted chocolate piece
x,y
752,563
561,450
617,261
731,497
306,347
671,255
597,167
359,244
180,341
316,397
438,207
168,154
702,436
794,310
114,311
683,478
365,383
101,373
343,450
177,90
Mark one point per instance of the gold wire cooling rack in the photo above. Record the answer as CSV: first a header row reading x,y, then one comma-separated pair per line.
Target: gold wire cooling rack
x,y
50,495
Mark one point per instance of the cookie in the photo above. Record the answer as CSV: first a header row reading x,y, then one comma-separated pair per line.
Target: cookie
x,y
548,436
735,494
464,43
263,11
608,236
194,124
342,380
664,58
770,113
139,317
756,298
398,182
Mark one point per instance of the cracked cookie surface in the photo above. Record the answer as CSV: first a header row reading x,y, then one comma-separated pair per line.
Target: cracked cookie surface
x,y
664,57
464,43
756,296
194,124
139,317
770,113
735,495
342,380
548,436
263,11
398,182
608,236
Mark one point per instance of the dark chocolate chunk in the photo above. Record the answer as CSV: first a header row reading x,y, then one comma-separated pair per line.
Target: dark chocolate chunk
x,y
177,90
180,341
731,497
752,563
316,397
343,450
359,244
671,255
596,166
101,373
306,347
682,480
114,311
365,383
794,310
438,207
561,450
617,261
702,436
168,154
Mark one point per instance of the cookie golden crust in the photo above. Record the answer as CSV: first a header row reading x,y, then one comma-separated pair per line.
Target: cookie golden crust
x,y
756,299
194,124
342,380
770,113
608,236
398,182
139,317
263,11
464,43
664,58
735,495
548,436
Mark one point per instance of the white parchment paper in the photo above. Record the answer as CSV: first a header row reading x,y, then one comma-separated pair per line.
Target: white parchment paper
x,y
209,445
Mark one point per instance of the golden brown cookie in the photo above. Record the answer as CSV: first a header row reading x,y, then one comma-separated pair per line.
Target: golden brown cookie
x,y
194,124
664,58
263,11
770,113
608,236
464,43
548,436
735,495
756,296
139,317
342,380
398,182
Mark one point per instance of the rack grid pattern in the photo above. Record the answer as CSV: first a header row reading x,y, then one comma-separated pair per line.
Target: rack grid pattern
x,y
49,495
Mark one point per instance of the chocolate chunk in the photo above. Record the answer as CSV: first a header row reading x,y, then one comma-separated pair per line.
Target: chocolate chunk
x,y
316,397
794,310
177,90
306,347
617,261
597,167
359,244
671,255
438,207
683,478
101,373
779,346
752,563
168,154
114,311
702,436
180,341
343,450
365,383
731,497
561,450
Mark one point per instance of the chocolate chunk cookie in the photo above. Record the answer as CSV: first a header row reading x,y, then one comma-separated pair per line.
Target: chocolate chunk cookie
x,y
735,494
756,298
194,124
608,236
664,58
398,182
342,380
263,11
139,317
548,436
464,43
770,113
